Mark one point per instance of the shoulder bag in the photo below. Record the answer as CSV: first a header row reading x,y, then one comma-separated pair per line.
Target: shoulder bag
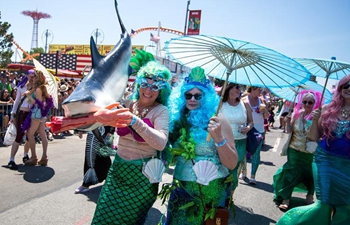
x,y
284,149
254,138
221,217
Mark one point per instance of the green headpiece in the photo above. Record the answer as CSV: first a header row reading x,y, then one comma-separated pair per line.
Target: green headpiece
x,y
197,77
140,59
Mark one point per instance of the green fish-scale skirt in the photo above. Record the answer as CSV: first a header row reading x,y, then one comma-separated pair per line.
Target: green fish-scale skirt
x,y
126,196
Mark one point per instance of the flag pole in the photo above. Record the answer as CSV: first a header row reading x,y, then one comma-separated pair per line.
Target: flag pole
x,y
57,52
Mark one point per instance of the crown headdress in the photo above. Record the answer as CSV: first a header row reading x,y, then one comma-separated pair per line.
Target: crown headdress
x,y
197,77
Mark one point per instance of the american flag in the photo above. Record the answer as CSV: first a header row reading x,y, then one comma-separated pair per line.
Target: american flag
x,y
67,62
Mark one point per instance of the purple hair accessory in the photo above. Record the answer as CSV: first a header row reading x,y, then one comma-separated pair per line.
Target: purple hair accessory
x,y
22,82
31,72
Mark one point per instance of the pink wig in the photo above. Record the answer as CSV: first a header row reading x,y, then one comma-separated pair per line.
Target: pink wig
x,y
330,117
316,95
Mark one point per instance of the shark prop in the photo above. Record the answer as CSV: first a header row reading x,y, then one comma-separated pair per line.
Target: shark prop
x,y
104,85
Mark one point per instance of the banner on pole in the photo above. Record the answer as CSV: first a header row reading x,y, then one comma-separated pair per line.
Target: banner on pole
x,y
194,22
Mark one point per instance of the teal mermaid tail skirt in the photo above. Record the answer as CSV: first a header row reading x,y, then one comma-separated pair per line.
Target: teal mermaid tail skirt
x,y
126,196
215,194
296,172
332,180
332,176
241,146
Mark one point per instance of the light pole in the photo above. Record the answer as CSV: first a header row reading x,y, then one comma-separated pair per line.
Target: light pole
x,y
97,33
47,38
188,5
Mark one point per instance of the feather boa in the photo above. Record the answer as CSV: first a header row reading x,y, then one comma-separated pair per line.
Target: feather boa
x,y
44,111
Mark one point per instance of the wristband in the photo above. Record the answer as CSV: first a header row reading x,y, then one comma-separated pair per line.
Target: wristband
x,y
220,144
133,121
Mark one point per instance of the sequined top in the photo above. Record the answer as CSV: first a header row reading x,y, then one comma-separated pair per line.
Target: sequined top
x,y
340,146
155,138
300,133
237,116
204,151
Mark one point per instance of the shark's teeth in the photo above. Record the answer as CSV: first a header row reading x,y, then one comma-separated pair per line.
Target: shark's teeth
x,y
80,108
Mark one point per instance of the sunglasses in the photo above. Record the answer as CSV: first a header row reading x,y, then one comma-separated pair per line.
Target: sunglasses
x,y
308,102
196,96
154,87
345,86
238,87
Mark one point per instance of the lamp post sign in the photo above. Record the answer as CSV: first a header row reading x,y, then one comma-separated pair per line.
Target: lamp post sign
x,y
194,21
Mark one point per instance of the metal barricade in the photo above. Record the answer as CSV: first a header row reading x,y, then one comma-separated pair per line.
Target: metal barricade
x,y
5,115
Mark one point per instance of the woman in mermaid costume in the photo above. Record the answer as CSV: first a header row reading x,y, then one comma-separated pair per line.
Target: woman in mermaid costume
x,y
297,171
128,194
193,104
331,165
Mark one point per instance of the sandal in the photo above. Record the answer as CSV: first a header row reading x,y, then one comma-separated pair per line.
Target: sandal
x,y
284,205
43,162
242,176
31,162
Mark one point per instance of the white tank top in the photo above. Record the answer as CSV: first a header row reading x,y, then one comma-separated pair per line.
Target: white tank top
x,y
258,118
237,116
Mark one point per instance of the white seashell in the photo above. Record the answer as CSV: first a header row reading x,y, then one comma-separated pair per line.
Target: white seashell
x,y
205,171
154,170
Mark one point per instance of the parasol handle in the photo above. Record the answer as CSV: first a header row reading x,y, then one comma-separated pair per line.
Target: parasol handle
x,y
324,89
228,73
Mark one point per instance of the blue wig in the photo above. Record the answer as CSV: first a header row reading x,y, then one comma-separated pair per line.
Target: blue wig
x,y
196,120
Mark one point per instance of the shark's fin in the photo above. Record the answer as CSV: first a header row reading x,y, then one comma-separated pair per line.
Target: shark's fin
x,y
95,55
120,20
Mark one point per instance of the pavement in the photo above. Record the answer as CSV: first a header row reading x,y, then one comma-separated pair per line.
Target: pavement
x,y
45,195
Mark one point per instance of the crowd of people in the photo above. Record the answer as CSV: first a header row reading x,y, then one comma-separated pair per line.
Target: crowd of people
x,y
184,126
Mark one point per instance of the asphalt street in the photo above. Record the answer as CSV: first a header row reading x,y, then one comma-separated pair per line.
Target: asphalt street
x,y
45,195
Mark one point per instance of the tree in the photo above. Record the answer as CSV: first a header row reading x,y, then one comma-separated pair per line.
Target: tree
x,y
5,44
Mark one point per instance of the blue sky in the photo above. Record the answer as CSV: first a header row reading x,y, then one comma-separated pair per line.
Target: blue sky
x,y
296,28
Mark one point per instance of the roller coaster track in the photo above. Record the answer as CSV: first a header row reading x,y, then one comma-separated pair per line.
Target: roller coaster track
x,y
163,29
28,56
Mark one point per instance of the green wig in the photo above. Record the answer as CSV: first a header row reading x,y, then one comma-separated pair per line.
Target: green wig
x,y
147,68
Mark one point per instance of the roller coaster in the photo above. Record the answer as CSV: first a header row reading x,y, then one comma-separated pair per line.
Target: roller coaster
x,y
162,29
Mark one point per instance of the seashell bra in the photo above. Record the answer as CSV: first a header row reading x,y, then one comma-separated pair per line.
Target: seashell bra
x,y
127,130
